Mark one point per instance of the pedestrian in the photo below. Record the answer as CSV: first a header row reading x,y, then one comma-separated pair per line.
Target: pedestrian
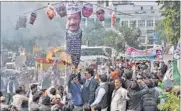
x,y
18,98
89,87
75,90
119,97
101,94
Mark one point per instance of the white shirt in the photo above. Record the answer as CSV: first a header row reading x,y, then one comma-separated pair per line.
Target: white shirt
x,y
18,100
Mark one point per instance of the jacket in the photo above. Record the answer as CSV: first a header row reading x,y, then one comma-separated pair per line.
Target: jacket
x,y
88,91
119,99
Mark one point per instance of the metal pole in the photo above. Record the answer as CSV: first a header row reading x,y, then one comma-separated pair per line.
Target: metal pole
x,y
146,37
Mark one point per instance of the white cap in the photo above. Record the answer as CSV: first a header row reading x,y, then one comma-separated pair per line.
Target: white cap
x,y
88,5
73,8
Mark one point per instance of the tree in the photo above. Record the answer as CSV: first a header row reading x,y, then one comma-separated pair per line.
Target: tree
x,y
171,12
160,30
123,35
99,35
171,102
94,34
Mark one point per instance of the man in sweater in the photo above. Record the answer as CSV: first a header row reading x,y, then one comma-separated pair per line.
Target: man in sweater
x,y
101,94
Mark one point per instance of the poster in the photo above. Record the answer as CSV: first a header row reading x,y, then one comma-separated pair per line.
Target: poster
x,y
73,32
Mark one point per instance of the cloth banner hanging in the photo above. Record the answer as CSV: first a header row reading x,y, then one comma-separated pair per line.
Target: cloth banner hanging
x,y
61,10
21,23
134,53
87,10
73,32
113,19
32,18
100,13
50,12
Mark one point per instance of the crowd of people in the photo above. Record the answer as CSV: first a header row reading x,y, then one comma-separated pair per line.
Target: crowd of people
x,y
127,85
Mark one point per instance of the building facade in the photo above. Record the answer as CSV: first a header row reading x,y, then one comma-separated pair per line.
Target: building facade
x,y
128,14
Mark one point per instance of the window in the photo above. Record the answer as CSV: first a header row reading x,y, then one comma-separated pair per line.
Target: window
x,y
156,22
141,23
92,51
133,23
109,51
124,23
150,31
100,2
149,23
107,3
151,8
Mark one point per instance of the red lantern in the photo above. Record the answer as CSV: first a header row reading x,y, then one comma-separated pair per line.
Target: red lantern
x,y
113,19
51,13
32,18
21,23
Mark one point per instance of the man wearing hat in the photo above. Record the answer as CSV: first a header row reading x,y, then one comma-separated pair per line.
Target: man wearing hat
x,y
74,33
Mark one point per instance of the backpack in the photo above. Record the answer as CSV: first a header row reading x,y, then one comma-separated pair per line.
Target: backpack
x,y
149,102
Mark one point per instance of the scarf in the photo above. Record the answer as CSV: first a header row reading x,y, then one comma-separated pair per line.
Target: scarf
x,y
12,88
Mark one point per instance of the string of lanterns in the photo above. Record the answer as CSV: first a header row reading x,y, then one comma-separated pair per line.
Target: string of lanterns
x,y
60,10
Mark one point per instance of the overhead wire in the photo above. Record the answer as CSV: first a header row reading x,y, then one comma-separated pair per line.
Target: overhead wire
x,y
82,2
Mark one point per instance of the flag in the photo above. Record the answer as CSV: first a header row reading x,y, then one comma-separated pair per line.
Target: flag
x,y
176,73
172,76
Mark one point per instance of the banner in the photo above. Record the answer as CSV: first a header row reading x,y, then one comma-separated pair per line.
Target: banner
x,y
74,33
134,53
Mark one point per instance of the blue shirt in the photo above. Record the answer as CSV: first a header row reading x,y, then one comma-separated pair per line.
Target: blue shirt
x,y
76,92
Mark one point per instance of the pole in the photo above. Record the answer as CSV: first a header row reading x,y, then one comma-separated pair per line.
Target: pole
x,y
146,37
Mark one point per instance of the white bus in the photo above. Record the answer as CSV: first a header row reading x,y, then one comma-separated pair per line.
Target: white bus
x,y
97,52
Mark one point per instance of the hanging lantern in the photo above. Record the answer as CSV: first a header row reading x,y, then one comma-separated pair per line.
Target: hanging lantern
x,y
87,10
51,13
32,18
61,10
113,19
100,14
21,23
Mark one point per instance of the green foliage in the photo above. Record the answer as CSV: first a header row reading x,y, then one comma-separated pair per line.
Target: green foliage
x,y
171,103
97,34
171,12
160,30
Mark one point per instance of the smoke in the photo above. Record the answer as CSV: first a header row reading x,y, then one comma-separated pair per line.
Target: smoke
x,y
43,32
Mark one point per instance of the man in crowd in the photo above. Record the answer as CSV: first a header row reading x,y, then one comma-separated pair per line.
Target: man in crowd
x,y
119,97
101,94
18,98
89,87
33,90
75,90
